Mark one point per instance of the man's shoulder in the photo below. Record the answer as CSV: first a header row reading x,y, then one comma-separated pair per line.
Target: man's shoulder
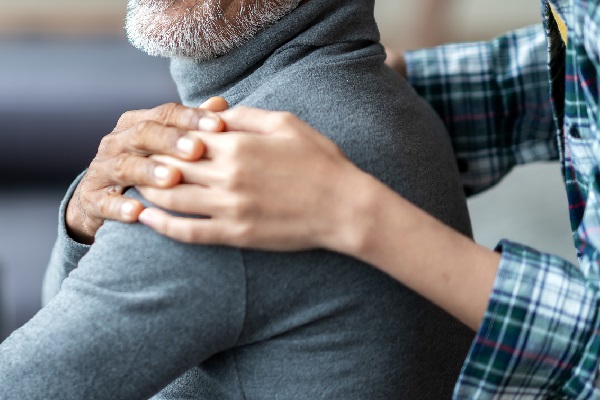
x,y
332,88
378,121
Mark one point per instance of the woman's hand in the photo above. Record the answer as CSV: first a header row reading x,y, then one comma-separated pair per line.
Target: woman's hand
x,y
272,182
122,161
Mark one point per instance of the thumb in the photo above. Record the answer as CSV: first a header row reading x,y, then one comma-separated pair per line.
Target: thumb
x,y
215,104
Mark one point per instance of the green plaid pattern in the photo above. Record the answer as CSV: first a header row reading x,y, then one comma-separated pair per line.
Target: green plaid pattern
x,y
540,337
494,99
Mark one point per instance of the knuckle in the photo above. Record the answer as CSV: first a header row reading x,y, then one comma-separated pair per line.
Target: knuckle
x,y
146,169
284,119
120,169
166,199
235,177
189,235
185,235
165,112
186,118
243,233
238,112
242,208
137,137
239,147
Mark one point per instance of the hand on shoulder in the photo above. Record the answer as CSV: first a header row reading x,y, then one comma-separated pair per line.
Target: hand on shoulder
x,y
271,182
122,161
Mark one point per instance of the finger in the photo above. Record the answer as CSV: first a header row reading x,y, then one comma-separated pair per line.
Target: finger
x,y
130,170
211,142
178,115
232,144
187,230
114,206
203,172
260,121
272,122
186,118
215,104
151,137
186,199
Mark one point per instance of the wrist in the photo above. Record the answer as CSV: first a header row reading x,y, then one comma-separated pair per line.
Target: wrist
x,y
359,196
393,235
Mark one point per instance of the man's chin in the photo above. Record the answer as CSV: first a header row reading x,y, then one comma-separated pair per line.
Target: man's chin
x,y
201,33
158,49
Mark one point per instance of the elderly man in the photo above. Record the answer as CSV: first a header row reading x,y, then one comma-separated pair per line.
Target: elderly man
x,y
142,314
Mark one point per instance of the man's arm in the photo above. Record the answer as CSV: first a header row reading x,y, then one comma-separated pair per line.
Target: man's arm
x,y
138,311
121,161
66,252
494,98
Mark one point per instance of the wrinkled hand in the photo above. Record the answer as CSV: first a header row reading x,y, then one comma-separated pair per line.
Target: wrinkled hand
x,y
396,61
122,161
272,182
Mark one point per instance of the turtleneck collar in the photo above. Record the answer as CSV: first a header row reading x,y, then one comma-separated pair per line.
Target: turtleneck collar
x,y
315,23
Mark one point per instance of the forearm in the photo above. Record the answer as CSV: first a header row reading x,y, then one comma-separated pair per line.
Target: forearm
x,y
414,248
535,314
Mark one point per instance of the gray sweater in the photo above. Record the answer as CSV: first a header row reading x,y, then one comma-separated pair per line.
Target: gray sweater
x,y
142,313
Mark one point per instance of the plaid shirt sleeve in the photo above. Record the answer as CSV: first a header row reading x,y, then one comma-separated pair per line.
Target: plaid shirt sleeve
x,y
540,336
494,100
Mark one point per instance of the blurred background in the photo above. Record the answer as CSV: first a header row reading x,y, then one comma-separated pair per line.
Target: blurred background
x,y
67,73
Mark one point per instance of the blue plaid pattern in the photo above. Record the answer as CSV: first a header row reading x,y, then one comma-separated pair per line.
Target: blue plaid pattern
x,y
540,337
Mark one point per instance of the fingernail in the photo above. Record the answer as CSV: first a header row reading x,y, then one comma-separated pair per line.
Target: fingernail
x,y
186,145
161,173
209,122
146,217
127,210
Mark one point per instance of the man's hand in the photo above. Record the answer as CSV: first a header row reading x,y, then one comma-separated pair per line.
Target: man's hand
x,y
122,161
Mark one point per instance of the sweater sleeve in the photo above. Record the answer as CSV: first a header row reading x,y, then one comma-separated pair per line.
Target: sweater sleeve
x,y
137,312
66,252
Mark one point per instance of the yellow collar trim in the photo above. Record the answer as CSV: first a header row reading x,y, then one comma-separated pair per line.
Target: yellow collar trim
x,y
562,26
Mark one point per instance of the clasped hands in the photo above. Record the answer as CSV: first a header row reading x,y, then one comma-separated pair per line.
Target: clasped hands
x,y
263,179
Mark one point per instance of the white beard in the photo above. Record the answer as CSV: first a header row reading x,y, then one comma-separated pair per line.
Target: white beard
x,y
202,31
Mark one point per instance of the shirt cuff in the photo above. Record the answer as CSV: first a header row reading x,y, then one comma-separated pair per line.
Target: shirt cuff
x,y
540,334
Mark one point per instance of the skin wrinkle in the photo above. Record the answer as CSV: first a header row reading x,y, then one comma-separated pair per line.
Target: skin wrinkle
x,y
199,29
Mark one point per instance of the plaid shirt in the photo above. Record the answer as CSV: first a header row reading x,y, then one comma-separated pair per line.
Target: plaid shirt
x,y
540,337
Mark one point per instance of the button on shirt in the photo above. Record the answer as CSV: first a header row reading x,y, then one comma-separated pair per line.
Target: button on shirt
x,y
540,336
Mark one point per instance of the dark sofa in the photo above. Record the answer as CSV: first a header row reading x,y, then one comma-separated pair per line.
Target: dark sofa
x,y
58,98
